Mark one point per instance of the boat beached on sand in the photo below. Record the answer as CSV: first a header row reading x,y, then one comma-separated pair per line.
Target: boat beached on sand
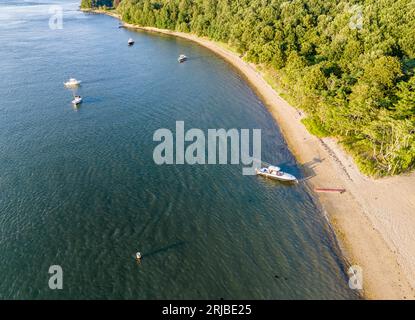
x,y
274,172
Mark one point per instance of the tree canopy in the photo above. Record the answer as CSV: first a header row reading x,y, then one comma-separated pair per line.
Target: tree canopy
x,y
348,64
88,4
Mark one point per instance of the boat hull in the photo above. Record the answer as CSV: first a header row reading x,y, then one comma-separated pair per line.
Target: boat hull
x,y
182,58
72,84
284,177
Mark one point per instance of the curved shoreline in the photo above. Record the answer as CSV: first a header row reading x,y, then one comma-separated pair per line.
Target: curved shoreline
x,y
373,221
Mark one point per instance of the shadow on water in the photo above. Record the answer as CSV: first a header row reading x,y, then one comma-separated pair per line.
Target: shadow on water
x,y
98,80
94,100
275,182
195,58
164,249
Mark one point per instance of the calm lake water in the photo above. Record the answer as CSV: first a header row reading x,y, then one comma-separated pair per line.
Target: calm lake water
x,y
79,188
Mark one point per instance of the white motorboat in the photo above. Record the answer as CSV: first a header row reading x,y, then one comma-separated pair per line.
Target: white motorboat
x,y
274,172
72,82
130,42
77,100
182,58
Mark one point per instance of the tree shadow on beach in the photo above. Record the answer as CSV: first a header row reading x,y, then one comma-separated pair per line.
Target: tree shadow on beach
x,y
308,168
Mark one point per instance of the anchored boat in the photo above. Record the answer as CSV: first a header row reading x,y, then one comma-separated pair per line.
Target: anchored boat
x,y
130,42
138,256
274,172
72,82
182,58
77,100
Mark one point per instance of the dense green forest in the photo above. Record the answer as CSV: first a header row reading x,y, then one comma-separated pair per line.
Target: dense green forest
x,y
86,4
348,64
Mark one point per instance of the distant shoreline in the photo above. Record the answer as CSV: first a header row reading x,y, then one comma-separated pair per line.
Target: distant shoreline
x,y
374,220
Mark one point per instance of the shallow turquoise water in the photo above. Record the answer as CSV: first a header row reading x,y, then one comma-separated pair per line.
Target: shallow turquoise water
x,y
79,188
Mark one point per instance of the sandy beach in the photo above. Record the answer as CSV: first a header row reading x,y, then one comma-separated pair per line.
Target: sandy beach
x,y
374,220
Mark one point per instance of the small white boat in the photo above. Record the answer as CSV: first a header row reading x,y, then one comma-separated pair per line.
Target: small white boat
x,y
274,172
77,100
182,58
72,82
130,42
